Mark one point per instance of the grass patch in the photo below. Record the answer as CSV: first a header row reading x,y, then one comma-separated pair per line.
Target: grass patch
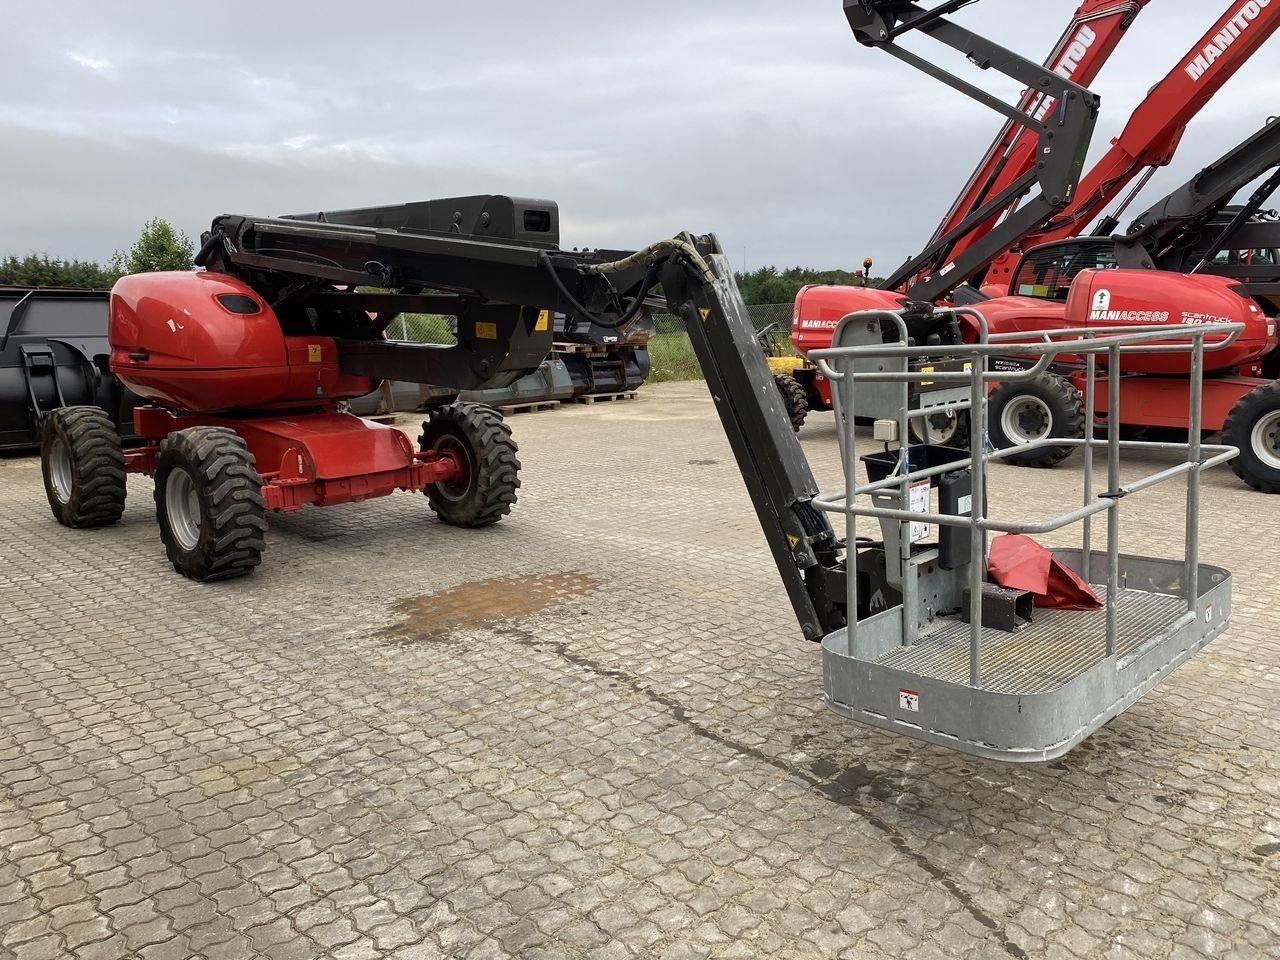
x,y
671,357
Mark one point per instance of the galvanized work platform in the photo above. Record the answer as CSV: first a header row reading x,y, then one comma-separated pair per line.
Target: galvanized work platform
x,y
1058,646
1034,693
1043,689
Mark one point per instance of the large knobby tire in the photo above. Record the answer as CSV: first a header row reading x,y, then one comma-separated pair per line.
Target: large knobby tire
x,y
478,439
83,466
209,504
949,429
1044,407
1254,426
794,399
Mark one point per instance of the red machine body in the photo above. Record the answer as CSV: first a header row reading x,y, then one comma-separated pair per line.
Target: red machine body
x,y
208,351
1110,298
818,309
1154,389
321,457
1121,298
204,342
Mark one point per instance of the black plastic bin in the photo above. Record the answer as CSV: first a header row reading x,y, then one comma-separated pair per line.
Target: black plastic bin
x,y
921,457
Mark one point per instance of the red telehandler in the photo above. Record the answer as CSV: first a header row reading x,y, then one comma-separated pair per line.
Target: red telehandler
x,y
998,221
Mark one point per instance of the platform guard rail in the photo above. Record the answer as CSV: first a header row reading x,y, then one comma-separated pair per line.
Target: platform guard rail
x,y
900,362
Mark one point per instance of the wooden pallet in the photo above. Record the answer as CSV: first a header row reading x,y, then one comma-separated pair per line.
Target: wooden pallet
x,y
531,407
605,397
576,348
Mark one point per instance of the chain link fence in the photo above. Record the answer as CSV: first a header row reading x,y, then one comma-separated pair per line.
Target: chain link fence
x,y
671,354
670,350
423,328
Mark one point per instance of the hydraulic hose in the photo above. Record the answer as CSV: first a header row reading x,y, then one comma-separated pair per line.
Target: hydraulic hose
x,y
655,255
650,277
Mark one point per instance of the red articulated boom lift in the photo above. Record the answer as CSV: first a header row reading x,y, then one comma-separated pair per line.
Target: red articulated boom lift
x,y
988,226
1092,36
243,368
1191,258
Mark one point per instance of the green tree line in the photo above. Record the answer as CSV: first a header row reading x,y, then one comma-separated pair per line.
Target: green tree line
x,y
771,285
158,247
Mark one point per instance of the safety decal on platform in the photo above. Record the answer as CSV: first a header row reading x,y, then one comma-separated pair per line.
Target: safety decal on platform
x,y
314,353
705,311
908,700
1208,613
487,331
920,504
544,321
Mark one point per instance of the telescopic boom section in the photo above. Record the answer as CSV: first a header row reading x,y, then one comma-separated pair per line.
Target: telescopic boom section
x,y
1086,45
1154,131
1060,136
1174,231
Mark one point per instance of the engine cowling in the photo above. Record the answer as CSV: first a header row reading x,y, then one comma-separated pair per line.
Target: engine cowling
x,y
1141,298
206,342
819,310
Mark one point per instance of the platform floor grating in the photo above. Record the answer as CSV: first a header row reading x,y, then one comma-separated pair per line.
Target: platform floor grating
x,y
1059,645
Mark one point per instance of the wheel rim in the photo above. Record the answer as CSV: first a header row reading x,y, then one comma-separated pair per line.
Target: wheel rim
x,y
455,490
182,504
1026,420
1265,439
61,475
940,428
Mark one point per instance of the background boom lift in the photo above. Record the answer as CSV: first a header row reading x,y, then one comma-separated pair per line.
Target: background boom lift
x,y
1155,130
1053,407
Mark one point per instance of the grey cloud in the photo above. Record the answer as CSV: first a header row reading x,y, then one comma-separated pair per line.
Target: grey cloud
x,y
760,120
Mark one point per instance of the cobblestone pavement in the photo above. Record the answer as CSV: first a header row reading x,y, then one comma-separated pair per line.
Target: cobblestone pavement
x,y
591,731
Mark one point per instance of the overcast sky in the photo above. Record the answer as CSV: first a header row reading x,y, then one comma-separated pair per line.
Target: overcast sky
x,y
763,121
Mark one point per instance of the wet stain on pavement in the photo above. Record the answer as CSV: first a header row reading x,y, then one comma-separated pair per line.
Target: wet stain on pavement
x,y
438,617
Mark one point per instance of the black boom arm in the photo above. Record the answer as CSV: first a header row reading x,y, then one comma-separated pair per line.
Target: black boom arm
x,y
1063,137
1165,232
498,279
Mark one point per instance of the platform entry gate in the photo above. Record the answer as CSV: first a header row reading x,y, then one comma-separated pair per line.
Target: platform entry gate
x,y
948,662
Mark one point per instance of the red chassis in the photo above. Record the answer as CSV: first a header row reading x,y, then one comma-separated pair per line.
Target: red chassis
x,y
1148,401
308,457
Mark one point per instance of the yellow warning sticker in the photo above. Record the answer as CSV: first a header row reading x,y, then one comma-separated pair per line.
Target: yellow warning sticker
x,y
705,312
487,331
544,320
795,541
926,383
315,353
